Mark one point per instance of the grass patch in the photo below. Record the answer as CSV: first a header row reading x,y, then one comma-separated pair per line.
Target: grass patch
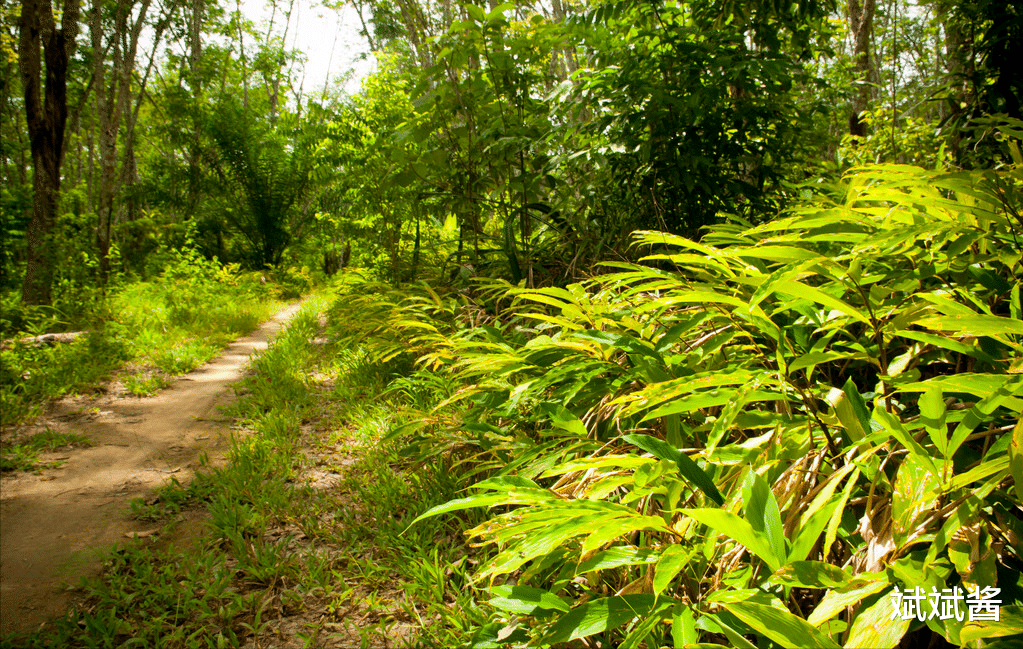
x,y
247,570
31,375
309,535
23,455
164,329
145,384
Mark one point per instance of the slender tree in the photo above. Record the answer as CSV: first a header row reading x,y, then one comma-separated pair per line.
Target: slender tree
x,y
45,47
861,26
113,98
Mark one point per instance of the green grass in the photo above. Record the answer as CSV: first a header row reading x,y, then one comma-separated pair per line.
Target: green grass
x,y
23,455
30,376
309,519
163,329
145,384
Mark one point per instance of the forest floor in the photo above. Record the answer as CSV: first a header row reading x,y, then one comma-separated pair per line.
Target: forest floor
x,y
60,522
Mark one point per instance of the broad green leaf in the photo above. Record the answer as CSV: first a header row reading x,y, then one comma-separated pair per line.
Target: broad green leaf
x,y
973,325
836,601
944,342
686,466
811,359
512,483
683,627
704,297
761,509
836,518
851,410
778,253
670,563
739,530
497,13
482,500
706,399
780,626
932,416
563,419
476,13
617,557
916,491
800,290
979,385
1010,622
811,574
875,627
524,600
810,527
600,615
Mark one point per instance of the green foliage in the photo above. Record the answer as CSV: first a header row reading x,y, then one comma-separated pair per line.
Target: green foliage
x,y
32,374
165,328
758,435
700,114
268,171
156,598
983,79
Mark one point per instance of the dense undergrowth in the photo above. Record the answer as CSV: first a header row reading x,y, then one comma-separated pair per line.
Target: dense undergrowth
x,y
769,438
154,330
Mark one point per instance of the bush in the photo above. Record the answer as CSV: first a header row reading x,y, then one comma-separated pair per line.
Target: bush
x,y
772,433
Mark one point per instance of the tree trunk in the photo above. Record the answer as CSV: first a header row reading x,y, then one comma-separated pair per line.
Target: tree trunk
x,y
861,25
112,102
46,115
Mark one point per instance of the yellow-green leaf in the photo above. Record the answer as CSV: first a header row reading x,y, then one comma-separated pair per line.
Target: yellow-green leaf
x,y
780,626
876,628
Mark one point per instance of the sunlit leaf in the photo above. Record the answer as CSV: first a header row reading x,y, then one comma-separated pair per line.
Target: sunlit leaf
x,y
601,615
877,627
738,529
686,466
525,600
780,626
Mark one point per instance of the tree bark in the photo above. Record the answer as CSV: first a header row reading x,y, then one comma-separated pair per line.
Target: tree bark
x,y
112,103
861,25
42,41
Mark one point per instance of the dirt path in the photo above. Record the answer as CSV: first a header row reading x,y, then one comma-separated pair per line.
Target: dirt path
x,y
55,527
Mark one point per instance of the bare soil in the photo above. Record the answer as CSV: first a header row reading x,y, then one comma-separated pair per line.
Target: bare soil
x,y
56,526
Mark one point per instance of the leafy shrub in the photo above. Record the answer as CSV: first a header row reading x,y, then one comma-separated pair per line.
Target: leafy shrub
x,y
762,437
291,283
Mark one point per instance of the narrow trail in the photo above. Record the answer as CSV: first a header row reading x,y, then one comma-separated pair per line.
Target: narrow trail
x,y
55,527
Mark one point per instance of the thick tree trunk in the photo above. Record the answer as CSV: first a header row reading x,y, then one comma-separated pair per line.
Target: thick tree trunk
x,y
46,115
